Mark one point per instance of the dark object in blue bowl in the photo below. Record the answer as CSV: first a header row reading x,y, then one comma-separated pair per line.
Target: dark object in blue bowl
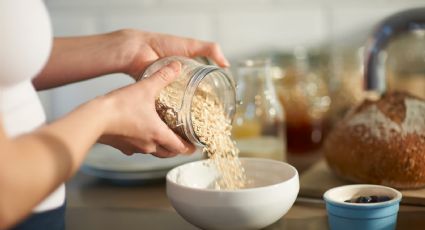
x,y
368,199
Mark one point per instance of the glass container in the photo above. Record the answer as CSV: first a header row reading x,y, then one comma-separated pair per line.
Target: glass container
x,y
258,125
174,103
304,95
346,83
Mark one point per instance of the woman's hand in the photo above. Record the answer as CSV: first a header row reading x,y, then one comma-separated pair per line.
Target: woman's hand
x,y
144,48
135,125
127,51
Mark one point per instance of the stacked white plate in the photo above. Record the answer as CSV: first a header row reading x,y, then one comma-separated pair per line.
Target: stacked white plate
x,y
108,163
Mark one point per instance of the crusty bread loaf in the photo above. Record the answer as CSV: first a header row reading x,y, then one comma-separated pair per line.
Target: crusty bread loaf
x,y
381,142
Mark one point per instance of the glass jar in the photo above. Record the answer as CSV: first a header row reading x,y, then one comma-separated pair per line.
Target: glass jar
x,y
174,102
305,97
258,126
346,85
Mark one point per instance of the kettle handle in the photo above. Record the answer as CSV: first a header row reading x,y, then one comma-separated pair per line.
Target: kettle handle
x,y
388,29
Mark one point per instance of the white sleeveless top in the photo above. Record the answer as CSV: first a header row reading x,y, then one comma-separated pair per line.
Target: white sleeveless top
x,y
25,44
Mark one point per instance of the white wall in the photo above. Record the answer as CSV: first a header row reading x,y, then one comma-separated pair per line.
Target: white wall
x,y
242,27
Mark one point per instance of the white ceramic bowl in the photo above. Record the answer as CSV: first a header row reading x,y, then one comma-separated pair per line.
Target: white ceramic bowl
x,y
251,208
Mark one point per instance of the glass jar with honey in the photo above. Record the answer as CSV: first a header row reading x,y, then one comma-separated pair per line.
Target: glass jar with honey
x,y
305,97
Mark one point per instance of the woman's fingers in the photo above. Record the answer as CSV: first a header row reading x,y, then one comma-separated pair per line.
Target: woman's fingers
x,y
208,49
163,77
167,145
164,153
170,141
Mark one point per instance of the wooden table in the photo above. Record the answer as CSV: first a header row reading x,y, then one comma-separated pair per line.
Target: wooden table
x,y
94,204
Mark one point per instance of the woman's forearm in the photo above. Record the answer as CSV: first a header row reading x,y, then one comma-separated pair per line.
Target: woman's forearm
x,y
79,58
125,51
35,164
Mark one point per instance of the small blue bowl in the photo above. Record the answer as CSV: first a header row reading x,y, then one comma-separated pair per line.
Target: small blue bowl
x,y
364,216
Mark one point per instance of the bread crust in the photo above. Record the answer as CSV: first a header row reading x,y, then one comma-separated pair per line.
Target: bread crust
x,y
381,142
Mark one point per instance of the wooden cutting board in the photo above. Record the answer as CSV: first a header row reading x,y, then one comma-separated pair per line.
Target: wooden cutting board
x,y
318,179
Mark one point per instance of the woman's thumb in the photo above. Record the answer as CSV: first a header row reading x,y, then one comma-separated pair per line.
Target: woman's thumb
x,y
164,76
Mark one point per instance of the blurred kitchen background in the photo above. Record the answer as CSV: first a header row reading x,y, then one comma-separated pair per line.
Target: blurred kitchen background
x,y
315,48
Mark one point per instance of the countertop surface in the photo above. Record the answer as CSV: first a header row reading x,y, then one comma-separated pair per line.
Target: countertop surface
x,y
97,204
